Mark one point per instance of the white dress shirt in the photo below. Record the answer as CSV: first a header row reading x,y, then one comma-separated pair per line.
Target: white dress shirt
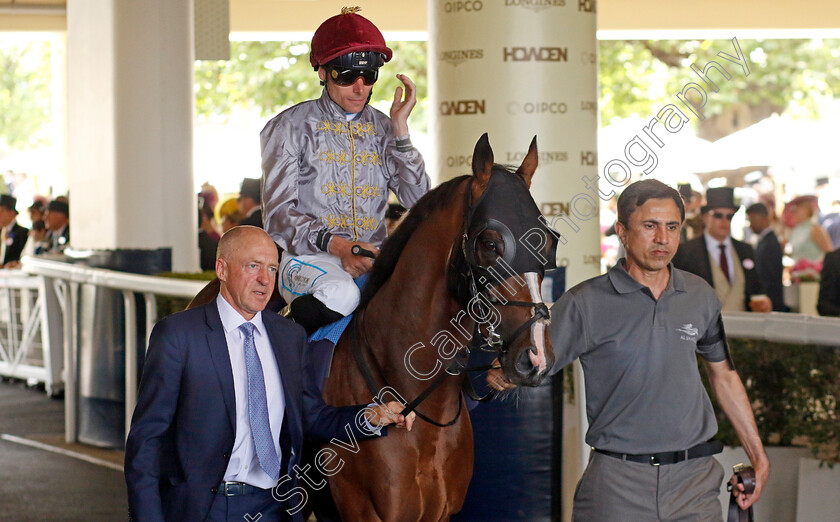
x,y
713,246
244,465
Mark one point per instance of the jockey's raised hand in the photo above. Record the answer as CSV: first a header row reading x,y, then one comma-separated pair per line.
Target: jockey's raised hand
x,y
350,262
401,108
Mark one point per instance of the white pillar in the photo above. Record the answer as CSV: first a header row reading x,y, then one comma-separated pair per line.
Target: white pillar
x,y
515,69
130,119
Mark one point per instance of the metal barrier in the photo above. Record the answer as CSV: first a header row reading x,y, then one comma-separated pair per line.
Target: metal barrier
x,y
62,282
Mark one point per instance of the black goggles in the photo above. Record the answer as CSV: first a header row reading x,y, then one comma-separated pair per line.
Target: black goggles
x,y
344,77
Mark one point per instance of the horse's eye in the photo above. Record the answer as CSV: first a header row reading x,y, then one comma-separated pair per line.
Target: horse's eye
x,y
488,245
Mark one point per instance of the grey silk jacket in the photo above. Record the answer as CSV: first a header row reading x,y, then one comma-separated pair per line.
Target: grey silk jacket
x,y
324,176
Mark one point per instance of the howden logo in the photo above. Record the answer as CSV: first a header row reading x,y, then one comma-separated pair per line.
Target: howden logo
x,y
460,107
535,54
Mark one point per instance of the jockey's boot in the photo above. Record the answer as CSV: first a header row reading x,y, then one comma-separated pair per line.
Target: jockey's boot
x,y
312,314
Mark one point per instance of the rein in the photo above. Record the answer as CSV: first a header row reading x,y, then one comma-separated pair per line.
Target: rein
x,y
493,340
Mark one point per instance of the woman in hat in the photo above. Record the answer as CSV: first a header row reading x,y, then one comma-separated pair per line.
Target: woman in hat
x,y
328,166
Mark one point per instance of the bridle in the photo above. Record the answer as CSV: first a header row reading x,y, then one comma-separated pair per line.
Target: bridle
x,y
493,341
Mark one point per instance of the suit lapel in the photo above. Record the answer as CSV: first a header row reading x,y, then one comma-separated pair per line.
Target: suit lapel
x,y
217,345
287,366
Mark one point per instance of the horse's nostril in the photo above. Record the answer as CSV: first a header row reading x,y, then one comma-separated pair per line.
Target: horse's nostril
x,y
523,364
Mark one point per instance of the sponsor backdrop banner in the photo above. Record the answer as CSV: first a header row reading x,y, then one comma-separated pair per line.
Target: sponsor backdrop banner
x,y
516,69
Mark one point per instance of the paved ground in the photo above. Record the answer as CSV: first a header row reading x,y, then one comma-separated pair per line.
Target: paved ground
x,y
39,485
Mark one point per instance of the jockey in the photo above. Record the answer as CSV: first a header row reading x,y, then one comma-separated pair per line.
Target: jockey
x,y
328,166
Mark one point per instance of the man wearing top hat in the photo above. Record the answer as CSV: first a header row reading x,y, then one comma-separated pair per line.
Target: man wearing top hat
x,y
328,167
727,264
12,235
249,202
57,219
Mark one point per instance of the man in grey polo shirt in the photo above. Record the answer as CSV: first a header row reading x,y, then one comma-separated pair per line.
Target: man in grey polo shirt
x,y
636,331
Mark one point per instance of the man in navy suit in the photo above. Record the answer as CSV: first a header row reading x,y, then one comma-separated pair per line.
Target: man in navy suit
x,y
768,255
12,236
224,403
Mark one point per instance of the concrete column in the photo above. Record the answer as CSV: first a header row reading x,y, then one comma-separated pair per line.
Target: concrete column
x,y
130,119
515,69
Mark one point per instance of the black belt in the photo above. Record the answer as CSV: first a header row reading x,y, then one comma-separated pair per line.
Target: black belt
x,y
235,489
705,449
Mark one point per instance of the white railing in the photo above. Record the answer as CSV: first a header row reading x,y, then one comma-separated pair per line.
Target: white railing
x,y
67,280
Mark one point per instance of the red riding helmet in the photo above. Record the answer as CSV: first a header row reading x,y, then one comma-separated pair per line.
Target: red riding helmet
x,y
345,34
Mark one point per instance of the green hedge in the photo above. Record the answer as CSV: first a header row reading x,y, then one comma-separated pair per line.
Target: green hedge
x,y
794,391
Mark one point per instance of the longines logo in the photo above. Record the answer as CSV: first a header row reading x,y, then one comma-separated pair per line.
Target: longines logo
x,y
460,107
546,157
462,6
535,5
460,56
459,161
542,107
536,54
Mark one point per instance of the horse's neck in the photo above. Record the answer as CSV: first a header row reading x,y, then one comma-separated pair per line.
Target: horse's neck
x,y
417,306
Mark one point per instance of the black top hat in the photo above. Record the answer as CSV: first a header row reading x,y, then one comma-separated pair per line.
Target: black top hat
x,y
720,197
9,202
59,206
250,188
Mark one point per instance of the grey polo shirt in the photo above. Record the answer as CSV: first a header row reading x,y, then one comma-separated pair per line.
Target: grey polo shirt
x,y
643,388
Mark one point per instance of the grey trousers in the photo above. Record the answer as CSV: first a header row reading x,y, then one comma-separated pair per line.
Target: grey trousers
x,y
615,490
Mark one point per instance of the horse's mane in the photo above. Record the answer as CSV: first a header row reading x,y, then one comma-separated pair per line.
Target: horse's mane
x,y
393,246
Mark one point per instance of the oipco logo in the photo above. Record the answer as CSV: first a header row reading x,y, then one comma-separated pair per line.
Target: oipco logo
x,y
461,107
590,106
459,56
535,54
459,161
587,6
546,157
461,6
588,158
541,107
535,5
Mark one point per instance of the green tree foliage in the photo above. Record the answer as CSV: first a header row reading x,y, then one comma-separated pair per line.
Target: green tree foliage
x,y
639,77
271,76
24,94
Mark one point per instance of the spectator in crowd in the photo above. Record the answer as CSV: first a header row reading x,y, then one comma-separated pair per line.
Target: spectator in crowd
x,y
829,299
35,244
724,262
231,220
36,211
208,238
57,219
318,209
249,203
831,223
768,255
808,240
12,235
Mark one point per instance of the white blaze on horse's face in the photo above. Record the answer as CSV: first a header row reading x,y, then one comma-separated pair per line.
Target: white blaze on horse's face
x,y
538,328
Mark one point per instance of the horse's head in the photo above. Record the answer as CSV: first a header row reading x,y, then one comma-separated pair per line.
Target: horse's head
x,y
507,247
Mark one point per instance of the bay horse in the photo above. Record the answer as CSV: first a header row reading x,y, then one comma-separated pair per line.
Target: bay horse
x,y
465,265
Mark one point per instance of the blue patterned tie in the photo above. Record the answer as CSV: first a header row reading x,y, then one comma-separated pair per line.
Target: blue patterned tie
x,y
258,406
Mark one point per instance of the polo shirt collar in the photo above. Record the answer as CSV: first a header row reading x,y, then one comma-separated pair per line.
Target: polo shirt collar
x,y
624,283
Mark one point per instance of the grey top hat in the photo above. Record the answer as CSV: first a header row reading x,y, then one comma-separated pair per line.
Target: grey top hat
x,y
720,197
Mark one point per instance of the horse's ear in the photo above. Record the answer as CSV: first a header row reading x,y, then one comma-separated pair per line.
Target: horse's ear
x,y
482,164
529,164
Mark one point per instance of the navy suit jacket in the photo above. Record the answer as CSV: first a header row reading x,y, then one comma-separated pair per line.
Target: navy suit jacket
x,y
16,242
693,256
829,300
183,427
768,262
